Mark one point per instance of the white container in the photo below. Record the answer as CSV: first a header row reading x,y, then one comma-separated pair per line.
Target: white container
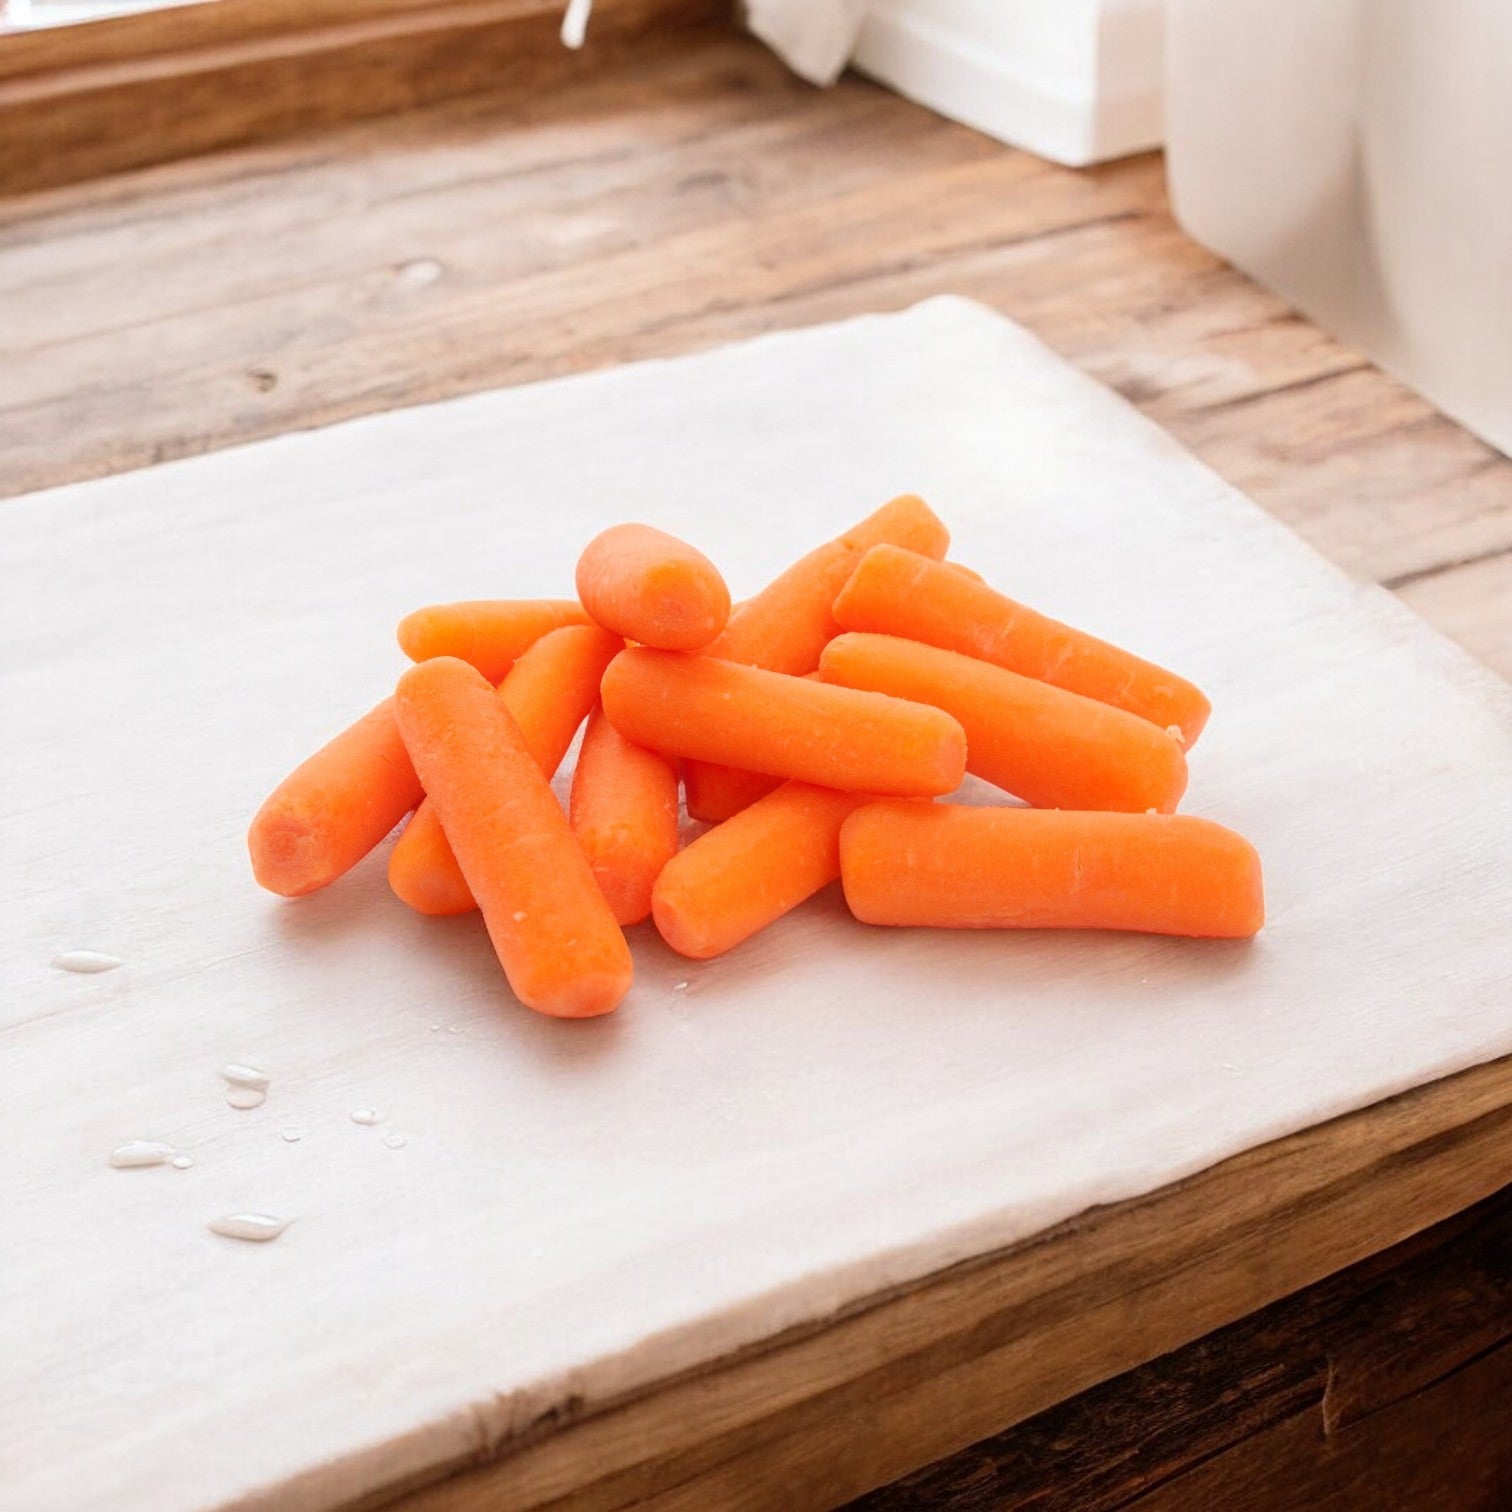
x,y
1356,155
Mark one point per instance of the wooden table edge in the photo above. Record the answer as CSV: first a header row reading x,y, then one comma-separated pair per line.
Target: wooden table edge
x,y
850,1402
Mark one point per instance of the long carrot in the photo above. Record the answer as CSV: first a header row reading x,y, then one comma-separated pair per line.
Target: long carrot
x,y
652,588
785,627
333,808
549,693
744,874
1051,748
624,814
1013,868
558,942
487,633
898,592
787,726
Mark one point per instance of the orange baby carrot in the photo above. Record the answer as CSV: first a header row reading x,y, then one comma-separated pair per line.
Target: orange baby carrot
x,y
788,726
785,627
487,633
954,867
714,793
624,814
549,693
558,942
897,592
1051,748
331,810
652,588
744,874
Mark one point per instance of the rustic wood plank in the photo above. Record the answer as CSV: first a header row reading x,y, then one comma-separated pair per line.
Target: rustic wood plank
x,y
1470,603
1360,1341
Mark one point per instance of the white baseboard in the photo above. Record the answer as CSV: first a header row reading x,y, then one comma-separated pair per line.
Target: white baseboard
x,y
1106,104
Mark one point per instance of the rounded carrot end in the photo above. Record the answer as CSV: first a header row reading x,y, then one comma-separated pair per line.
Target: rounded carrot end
x,y
680,931
288,853
588,991
438,630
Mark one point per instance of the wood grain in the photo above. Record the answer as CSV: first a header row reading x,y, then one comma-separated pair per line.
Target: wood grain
x,y
675,193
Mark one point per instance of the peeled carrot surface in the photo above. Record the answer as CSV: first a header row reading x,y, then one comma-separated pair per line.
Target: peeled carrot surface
x,y
1052,748
744,874
332,809
624,815
652,588
786,726
898,592
785,627
549,693
558,942
953,867
489,634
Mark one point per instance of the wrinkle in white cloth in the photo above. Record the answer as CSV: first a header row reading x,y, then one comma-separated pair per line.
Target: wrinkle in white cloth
x,y
815,38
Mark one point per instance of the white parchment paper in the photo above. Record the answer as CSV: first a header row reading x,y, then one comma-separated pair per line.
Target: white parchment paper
x,y
580,1208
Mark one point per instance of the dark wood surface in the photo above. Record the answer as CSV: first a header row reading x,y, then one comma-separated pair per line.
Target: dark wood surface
x,y
1387,1386
671,193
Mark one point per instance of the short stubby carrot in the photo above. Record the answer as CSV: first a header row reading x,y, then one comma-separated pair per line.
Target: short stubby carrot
x,y
952,867
744,874
549,693
331,810
556,938
1051,748
715,793
624,814
652,588
489,634
898,592
786,726
785,627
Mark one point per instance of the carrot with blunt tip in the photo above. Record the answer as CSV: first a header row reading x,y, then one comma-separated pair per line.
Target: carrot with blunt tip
x,y
785,627
899,592
489,634
748,872
333,808
624,814
953,867
652,588
549,693
1052,748
785,726
558,942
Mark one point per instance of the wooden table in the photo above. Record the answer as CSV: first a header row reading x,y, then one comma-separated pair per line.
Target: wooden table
x,y
691,194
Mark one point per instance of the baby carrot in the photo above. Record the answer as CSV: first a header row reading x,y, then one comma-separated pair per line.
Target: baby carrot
x,y
788,726
1014,868
1051,748
650,587
549,693
714,793
897,592
558,942
624,814
333,808
744,874
487,633
785,627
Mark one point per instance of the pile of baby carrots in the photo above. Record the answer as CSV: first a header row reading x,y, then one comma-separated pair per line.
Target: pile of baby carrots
x,y
812,727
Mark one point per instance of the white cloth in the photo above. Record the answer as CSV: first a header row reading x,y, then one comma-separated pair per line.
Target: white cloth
x,y
751,1142
814,37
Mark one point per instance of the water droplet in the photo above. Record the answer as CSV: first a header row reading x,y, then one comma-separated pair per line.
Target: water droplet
x,y
679,986
395,1141
181,1162
364,1115
292,1136
258,1228
246,1097
420,273
140,1152
454,1028
435,1028
87,961
240,1075
518,916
